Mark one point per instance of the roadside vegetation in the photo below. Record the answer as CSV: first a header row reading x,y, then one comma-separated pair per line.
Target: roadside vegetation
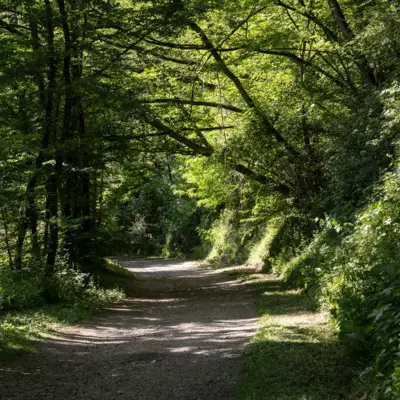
x,y
28,317
256,131
296,353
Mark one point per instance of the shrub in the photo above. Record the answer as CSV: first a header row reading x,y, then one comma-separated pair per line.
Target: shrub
x,y
353,269
260,252
28,288
19,289
76,288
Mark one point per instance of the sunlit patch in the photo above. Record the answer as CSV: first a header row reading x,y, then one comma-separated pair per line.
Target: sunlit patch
x,y
182,349
171,300
202,319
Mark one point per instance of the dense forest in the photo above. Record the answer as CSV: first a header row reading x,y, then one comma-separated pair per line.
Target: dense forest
x,y
252,131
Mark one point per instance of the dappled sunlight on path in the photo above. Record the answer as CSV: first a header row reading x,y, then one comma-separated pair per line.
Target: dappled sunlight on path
x,y
180,336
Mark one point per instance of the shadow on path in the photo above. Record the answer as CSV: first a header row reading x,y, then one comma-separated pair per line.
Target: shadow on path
x,y
181,336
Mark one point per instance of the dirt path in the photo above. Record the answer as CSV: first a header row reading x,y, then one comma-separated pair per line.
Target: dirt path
x,y
181,337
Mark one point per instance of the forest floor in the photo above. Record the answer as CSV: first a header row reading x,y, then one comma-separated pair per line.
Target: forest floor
x,y
184,333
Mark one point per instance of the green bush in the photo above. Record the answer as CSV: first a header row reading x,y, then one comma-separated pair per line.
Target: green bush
x,y
25,313
259,256
232,237
75,288
19,289
28,288
353,270
292,236
225,238
385,328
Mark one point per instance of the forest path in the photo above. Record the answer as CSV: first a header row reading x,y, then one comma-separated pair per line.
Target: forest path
x,y
181,337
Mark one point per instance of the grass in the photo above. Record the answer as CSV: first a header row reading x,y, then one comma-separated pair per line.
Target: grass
x,y
113,268
295,355
19,329
113,275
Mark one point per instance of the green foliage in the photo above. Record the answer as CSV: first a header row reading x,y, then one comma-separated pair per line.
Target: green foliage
x,y
259,131
27,289
18,330
384,328
75,288
226,239
295,354
260,252
291,238
353,270
148,216
26,316
115,269
20,290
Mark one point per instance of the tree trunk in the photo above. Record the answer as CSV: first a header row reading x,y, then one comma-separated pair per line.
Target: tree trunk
x,y
51,232
7,237
361,61
30,217
52,199
24,221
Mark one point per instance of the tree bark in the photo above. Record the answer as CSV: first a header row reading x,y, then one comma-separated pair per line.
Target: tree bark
x,y
29,217
362,63
7,237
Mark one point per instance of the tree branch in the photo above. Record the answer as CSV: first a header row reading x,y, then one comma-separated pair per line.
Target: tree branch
x,y
210,129
160,126
245,95
279,187
301,61
143,50
340,19
328,32
12,28
208,151
361,61
241,23
175,45
193,103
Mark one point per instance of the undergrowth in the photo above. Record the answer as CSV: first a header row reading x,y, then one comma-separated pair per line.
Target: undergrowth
x,y
27,316
295,354
347,264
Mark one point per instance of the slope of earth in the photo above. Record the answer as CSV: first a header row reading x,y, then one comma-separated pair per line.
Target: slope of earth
x,y
181,336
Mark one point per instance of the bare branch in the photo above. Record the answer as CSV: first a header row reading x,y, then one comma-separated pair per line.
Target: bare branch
x,y
175,45
210,129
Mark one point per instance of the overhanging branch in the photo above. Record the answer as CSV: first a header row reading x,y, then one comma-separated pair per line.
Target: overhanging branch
x,y
209,151
243,92
193,103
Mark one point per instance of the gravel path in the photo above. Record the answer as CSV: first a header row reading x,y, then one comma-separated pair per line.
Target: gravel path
x,y
181,337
